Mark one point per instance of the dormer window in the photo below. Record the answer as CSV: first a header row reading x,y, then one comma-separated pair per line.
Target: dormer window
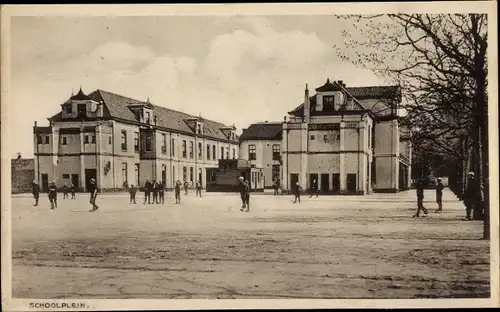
x,y
328,102
82,110
68,109
148,117
198,129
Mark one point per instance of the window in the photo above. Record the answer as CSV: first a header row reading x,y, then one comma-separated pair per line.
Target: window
x,y
109,140
214,152
93,138
191,174
68,109
172,147
65,176
64,140
234,153
82,110
124,140
47,139
148,142
276,152
164,143
173,175
312,137
136,141
208,151
252,152
86,139
227,153
276,172
148,117
222,152
198,130
369,133
328,102
124,173
191,146
200,151
39,139
184,173
184,148
137,181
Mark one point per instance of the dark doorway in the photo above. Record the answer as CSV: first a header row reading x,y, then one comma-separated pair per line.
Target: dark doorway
x,y
89,174
294,179
75,181
313,181
336,182
351,182
325,183
45,182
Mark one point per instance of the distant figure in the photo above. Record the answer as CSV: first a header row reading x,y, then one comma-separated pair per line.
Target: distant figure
x,y
186,186
161,193
65,191
420,198
276,186
93,195
314,188
439,195
154,187
244,189
147,192
178,192
72,189
36,191
53,195
132,191
472,197
198,188
296,191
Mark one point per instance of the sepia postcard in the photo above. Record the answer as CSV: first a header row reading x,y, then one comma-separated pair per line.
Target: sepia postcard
x,y
224,156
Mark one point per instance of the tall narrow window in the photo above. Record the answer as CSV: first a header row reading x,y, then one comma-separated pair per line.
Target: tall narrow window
x,y
222,152
137,181
40,140
234,153
208,151
172,147
64,140
214,153
191,174
369,133
148,142
82,110
164,143
184,173
252,152
124,140
93,139
276,152
198,129
86,139
124,173
47,139
136,141
200,151
148,117
191,147
109,140
184,149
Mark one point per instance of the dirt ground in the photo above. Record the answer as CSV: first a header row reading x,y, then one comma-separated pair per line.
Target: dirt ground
x,y
326,247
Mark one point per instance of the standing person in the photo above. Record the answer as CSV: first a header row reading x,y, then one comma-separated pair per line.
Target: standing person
x,y
36,191
93,194
161,193
147,192
244,189
154,188
53,195
296,192
472,196
178,192
72,189
198,188
275,187
132,190
65,191
186,186
420,198
314,188
439,195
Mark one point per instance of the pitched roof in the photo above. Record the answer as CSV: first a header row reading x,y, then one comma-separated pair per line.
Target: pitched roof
x,y
328,86
262,131
117,106
80,96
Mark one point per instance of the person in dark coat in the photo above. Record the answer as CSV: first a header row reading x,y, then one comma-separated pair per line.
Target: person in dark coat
x,y
93,194
244,189
178,185
65,191
296,191
186,187
132,191
161,193
53,195
198,188
147,192
154,188
439,195
420,198
36,191
314,188
72,189
472,196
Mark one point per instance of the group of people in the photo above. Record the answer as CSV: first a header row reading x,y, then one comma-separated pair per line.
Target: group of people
x,y
158,191
52,193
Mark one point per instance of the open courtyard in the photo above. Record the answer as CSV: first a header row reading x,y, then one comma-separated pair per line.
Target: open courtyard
x,y
326,247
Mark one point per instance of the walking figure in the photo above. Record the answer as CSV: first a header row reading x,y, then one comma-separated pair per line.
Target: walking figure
x,y
178,192
72,189
186,186
93,194
420,198
65,191
132,190
276,186
244,189
472,197
36,192
154,187
147,192
198,188
314,188
53,195
439,195
161,192
296,191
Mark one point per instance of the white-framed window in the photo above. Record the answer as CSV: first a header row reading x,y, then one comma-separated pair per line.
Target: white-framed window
x,y
252,152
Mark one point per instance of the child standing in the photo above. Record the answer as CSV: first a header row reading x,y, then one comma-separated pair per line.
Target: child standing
x,y
53,195
178,192
132,190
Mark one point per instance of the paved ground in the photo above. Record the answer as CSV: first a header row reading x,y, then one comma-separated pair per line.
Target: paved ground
x,y
326,247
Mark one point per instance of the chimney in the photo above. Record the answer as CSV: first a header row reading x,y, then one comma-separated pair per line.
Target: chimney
x,y
307,105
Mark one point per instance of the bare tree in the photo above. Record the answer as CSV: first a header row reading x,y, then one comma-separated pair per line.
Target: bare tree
x,y
440,62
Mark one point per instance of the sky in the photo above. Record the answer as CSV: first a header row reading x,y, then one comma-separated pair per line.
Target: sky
x,y
235,70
